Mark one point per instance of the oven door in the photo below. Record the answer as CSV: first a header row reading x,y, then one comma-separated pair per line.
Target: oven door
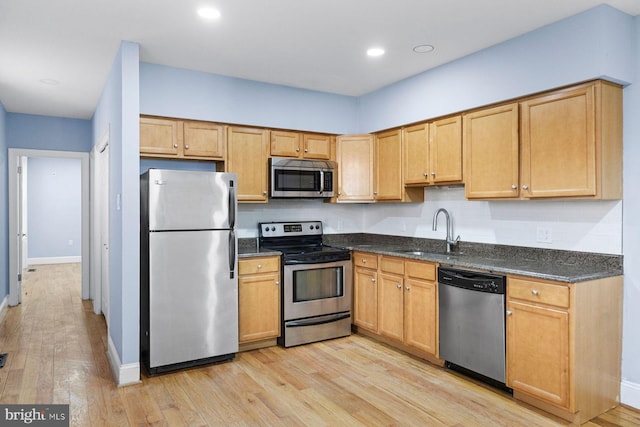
x,y
316,289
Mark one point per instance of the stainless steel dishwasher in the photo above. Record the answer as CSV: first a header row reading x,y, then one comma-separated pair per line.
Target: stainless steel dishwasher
x,y
472,322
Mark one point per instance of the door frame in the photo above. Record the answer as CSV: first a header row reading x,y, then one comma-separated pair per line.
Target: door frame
x,y
13,155
98,198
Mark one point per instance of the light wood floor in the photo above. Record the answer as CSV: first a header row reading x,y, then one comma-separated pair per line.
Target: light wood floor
x,y
57,354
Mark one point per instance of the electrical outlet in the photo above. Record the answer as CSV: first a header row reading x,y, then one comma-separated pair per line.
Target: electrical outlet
x,y
543,235
70,242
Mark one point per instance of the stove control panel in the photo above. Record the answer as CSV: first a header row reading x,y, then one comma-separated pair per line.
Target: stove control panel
x,y
282,229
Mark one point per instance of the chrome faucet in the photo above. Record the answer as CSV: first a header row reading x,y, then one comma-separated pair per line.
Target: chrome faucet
x,y
450,240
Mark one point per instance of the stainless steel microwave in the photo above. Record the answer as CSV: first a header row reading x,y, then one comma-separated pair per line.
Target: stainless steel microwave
x,y
296,178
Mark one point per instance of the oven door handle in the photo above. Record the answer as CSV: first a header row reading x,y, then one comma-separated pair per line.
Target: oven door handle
x,y
321,321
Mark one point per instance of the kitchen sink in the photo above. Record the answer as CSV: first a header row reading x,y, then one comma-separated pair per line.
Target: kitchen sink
x,y
427,254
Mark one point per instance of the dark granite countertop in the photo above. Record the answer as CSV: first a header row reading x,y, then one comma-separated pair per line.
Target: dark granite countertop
x,y
550,264
557,265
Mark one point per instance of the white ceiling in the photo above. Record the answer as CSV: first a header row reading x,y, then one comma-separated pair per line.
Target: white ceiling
x,y
312,44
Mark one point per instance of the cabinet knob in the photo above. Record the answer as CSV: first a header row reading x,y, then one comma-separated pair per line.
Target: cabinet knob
x,y
364,261
509,312
306,150
408,288
373,279
259,266
277,283
375,193
264,193
525,187
433,174
297,150
425,174
534,292
175,145
186,147
399,286
514,187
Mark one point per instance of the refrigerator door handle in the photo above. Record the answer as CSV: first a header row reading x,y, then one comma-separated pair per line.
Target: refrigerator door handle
x,y
232,254
232,205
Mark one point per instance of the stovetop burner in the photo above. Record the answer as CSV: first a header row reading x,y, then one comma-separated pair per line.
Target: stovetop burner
x,y
299,242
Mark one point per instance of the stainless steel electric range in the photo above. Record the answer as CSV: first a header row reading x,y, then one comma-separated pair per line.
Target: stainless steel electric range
x,y
317,282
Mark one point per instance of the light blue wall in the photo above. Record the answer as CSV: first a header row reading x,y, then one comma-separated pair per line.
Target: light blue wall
x,y
4,207
54,207
631,228
48,133
174,92
590,45
118,110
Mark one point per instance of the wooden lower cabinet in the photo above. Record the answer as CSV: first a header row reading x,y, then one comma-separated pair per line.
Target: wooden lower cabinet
x,y
564,345
405,304
259,299
365,291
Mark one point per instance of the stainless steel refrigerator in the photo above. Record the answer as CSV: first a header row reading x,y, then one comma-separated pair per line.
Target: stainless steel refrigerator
x,y
189,263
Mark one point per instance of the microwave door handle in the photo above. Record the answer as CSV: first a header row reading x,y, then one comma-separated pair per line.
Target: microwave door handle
x,y
321,181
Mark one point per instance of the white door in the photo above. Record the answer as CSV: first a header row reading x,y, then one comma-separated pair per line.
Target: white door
x,y
103,168
24,249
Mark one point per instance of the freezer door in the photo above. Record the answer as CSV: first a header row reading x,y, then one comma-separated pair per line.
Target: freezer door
x,y
191,200
193,300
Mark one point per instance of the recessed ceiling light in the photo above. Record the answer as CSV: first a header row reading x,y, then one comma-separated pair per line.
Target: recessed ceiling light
x,y
50,82
423,48
209,13
375,51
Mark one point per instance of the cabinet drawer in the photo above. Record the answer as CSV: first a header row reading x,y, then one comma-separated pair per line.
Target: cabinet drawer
x,y
392,265
420,270
539,292
366,260
258,265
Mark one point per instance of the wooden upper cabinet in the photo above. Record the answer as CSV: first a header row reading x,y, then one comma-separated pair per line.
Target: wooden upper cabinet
x,y
492,152
445,143
433,152
285,144
355,157
415,140
558,142
388,165
566,144
181,139
316,146
204,140
247,153
159,137
300,145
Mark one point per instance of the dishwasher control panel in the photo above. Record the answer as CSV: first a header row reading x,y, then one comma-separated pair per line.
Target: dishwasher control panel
x,y
472,280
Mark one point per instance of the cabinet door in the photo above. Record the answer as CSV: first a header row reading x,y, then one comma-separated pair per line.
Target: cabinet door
x,y
204,140
247,156
365,297
388,165
445,142
159,137
355,154
258,307
558,144
421,315
285,144
391,306
316,146
538,352
415,141
491,153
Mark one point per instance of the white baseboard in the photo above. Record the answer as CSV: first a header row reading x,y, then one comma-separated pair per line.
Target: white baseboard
x,y
123,374
54,260
630,394
4,306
